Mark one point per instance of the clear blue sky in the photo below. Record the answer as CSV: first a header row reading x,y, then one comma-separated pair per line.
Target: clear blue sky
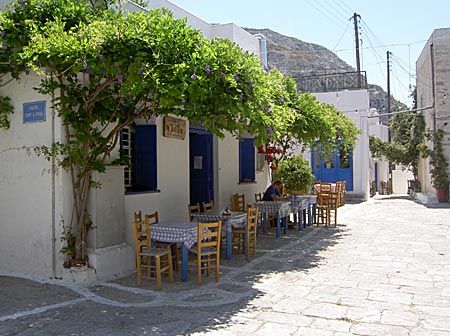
x,y
398,26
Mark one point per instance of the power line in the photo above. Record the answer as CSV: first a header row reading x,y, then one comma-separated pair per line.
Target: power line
x,y
337,10
338,22
348,24
381,45
378,57
344,5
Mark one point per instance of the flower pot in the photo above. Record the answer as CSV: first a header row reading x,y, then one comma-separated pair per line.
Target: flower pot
x,y
442,195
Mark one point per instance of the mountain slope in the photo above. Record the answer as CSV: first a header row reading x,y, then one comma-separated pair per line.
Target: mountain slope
x,y
297,59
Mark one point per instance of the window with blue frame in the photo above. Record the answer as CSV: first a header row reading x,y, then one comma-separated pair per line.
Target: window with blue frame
x,y
138,143
246,160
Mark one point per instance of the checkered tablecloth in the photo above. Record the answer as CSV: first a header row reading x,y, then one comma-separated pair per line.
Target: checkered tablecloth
x,y
175,232
237,219
311,199
298,204
274,208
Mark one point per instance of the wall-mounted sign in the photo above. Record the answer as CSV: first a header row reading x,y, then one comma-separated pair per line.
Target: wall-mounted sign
x,y
198,162
174,128
34,112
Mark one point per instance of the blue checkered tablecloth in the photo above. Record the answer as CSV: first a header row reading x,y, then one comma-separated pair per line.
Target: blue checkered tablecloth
x,y
298,204
175,232
236,219
311,199
274,208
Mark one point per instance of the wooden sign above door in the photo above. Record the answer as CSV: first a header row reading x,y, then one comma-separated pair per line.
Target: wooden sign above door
x,y
174,128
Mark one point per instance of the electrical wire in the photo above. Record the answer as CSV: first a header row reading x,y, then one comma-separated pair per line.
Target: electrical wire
x,y
336,20
348,24
343,4
337,9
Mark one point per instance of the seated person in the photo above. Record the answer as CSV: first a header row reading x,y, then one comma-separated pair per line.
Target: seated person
x,y
273,192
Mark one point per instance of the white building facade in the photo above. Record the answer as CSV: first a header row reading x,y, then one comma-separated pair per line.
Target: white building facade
x,y
355,168
36,200
433,94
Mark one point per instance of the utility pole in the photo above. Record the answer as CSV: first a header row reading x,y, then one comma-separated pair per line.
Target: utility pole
x,y
388,111
388,53
358,63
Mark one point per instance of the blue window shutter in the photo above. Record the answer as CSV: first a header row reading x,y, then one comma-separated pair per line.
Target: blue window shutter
x,y
246,160
144,158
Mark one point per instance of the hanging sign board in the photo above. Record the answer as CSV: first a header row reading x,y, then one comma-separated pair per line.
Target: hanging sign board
x,y
174,128
34,112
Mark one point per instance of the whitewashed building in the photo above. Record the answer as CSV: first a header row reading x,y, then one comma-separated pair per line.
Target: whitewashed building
x,y
36,200
353,168
432,83
379,168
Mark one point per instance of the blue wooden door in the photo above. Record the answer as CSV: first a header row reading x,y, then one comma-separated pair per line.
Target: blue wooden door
x,y
201,166
333,167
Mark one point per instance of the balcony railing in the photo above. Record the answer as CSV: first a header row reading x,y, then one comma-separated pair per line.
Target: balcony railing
x,y
332,82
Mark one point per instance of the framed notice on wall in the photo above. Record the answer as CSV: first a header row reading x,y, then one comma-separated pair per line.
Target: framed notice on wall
x,y
34,112
174,128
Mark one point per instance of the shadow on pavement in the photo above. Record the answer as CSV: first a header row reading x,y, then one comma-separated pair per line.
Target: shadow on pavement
x,y
120,307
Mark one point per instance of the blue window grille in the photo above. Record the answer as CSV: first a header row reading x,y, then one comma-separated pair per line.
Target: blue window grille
x,y
138,142
246,160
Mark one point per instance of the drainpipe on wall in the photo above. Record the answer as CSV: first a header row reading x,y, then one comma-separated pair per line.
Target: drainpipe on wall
x,y
263,44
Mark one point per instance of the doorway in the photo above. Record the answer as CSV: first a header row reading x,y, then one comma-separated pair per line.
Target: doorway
x,y
333,167
201,166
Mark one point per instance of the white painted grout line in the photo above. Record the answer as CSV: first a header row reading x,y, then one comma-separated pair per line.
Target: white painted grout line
x,y
41,309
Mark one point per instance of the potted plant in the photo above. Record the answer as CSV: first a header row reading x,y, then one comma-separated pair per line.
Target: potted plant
x,y
296,175
439,163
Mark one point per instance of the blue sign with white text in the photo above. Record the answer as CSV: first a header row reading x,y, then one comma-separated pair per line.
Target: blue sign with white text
x,y
34,112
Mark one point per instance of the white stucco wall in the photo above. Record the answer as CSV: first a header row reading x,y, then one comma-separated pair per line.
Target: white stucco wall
x,y
236,34
173,180
173,183
433,81
31,203
355,105
228,174
382,132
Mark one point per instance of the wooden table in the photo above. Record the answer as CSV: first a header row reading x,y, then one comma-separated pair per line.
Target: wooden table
x,y
237,219
177,232
282,209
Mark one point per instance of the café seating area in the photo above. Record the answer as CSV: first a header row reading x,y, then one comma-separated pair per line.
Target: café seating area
x,y
212,236
330,196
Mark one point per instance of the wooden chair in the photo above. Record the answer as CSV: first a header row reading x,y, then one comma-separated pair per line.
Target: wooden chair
x,y
238,202
328,200
208,206
335,202
138,216
148,257
323,193
193,209
153,218
247,236
258,198
342,186
207,249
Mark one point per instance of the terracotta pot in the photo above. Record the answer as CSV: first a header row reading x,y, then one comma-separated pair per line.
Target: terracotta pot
x,y
442,195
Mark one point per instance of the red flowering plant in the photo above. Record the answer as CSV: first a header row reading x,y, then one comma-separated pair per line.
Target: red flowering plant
x,y
273,155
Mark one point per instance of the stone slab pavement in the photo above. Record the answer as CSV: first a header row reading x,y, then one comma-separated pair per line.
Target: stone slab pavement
x,y
384,270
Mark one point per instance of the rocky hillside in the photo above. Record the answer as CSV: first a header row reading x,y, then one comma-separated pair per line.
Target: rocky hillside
x,y
299,59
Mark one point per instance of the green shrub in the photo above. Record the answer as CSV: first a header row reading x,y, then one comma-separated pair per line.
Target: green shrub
x,y
295,173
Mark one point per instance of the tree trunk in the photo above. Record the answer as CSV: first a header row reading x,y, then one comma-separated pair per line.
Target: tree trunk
x,y
83,222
